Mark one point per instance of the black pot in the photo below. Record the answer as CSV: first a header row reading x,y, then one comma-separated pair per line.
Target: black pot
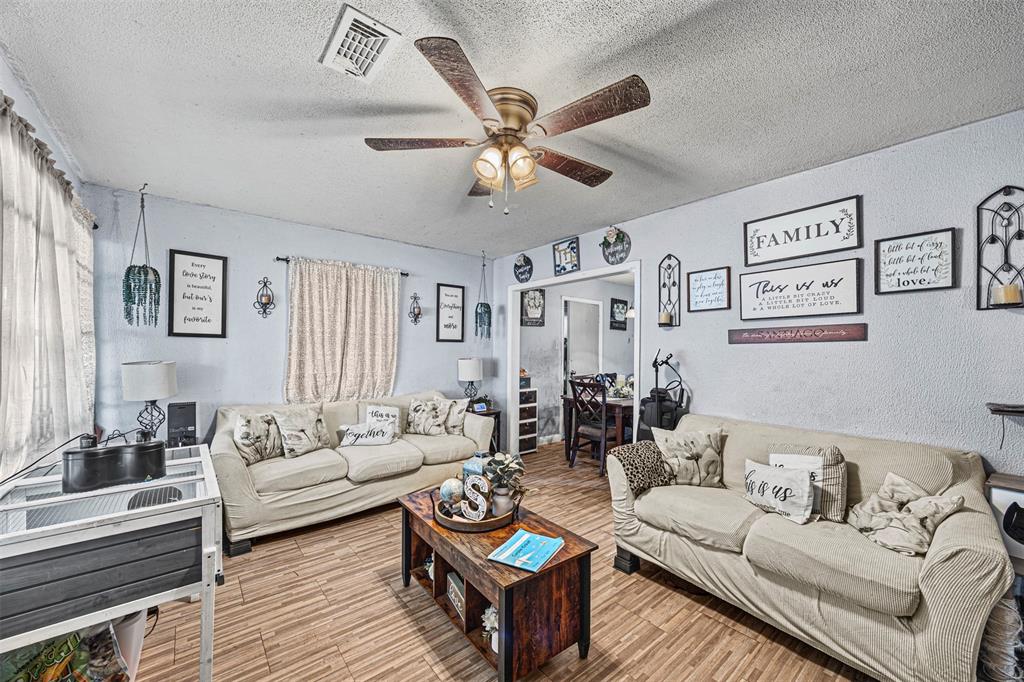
x,y
94,468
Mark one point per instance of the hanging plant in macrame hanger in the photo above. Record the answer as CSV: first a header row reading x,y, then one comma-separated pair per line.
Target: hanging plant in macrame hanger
x,y
483,309
141,284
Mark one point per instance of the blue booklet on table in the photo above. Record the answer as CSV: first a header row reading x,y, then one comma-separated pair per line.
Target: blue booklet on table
x,y
526,550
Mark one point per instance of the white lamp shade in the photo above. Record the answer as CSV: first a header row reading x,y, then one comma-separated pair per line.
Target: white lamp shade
x,y
148,380
471,369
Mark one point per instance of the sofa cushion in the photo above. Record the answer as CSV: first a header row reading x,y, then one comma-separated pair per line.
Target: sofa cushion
x,y
373,462
441,449
336,415
838,560
295,473
714,517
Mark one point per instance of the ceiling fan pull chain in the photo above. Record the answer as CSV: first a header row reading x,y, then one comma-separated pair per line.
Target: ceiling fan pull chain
x,y
490,201
506,193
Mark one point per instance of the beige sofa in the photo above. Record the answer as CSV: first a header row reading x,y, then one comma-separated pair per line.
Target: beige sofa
x,y
284,493
892,616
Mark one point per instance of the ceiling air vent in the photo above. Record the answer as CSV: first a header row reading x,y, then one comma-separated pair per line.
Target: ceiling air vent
x,y
359,44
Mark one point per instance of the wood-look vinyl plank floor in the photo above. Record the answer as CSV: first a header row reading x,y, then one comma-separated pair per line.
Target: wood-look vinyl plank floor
x,y
327,603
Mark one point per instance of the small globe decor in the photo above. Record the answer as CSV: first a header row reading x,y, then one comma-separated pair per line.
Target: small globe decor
x,y
481,502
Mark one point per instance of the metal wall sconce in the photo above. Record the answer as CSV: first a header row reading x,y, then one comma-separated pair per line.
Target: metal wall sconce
x,y
415,311
668,291
264,303
1000,265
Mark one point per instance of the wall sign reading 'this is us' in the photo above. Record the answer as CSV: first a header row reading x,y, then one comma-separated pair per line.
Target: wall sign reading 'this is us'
x,y
805,291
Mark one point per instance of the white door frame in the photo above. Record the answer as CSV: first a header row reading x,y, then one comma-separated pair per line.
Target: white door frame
x,y
600,344
512,335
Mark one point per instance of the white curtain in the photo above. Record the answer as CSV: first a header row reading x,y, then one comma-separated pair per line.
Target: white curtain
x,y
47,363
342,331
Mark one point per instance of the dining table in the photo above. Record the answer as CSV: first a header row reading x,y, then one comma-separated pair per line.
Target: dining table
x,y
620,408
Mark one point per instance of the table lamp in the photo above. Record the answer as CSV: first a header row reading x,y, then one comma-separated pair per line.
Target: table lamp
x,y
149,380
471,370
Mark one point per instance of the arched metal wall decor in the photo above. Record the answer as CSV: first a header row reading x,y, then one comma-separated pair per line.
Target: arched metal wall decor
x,y
1001,249
668,291
264,302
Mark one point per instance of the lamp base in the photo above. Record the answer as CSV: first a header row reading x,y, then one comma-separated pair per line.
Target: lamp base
x,y
471,390
151,418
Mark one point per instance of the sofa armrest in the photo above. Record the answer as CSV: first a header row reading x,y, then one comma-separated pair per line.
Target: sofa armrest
x,y
626,523
479,429
965,572
239,498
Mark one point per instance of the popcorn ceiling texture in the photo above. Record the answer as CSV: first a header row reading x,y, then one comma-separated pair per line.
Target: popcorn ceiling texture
x,y
931,360
224,103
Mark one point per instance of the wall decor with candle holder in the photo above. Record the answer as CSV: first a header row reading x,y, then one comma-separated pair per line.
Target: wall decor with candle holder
x,y
264,302
669,288
1001,249
415,310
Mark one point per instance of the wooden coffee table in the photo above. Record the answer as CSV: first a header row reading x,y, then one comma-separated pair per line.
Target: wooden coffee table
x,y
539,614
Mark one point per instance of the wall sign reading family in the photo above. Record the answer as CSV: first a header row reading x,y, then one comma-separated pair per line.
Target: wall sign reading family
x,y
197,301
805,291
450,312
824,228
913,262
708,290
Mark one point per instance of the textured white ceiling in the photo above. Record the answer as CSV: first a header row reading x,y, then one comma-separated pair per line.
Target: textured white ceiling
x,y
224,102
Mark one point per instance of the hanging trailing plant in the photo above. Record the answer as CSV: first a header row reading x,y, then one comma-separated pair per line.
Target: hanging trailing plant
x,y
140,287
482,314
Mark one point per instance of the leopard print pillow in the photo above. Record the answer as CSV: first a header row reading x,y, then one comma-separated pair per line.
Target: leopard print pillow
x,y
644,466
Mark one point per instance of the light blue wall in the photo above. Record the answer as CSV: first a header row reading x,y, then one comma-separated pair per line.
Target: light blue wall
x,y
249,365
931,361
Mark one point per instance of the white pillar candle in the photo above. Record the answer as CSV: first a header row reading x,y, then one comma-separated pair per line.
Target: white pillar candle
x,y
1008,294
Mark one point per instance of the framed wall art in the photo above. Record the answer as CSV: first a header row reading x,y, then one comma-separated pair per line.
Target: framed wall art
x,y
567,256
822,228
708,290
531,308
617,319
197,300
916,262
451,313
818,290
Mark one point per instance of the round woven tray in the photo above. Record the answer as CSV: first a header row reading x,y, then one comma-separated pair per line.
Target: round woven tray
x,y
463,525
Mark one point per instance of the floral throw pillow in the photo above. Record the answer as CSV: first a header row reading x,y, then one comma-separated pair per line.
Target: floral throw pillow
x,y
302,429
257,437
427,417
456,417
693,457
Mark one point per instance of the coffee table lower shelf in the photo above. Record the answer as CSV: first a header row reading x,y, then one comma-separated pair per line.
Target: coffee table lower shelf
x,y
475,635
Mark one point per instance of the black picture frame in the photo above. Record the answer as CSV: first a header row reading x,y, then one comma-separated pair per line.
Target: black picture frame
x,y
728,289
441,315
859,270
172,277
954,262
613,324
859,233
526,321
573,246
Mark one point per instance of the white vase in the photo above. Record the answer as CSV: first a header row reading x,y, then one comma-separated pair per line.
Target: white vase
x,y
494,641
501,502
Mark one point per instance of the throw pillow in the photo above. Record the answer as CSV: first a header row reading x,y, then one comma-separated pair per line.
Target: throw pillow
x,y
456,417
369,434
693,457
787,492
643,465
828,475
427,417
379,415
902,516
302,429
257,437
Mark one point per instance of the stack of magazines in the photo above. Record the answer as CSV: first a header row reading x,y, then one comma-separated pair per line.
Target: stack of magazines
x,y
527,550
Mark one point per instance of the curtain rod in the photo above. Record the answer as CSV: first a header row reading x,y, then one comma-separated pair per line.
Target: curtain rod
x,y
286,259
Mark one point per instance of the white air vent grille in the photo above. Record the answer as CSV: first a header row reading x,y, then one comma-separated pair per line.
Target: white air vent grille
x,y
359,44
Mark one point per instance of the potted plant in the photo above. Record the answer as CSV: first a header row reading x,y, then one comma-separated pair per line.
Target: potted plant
x,y
506,474
490,626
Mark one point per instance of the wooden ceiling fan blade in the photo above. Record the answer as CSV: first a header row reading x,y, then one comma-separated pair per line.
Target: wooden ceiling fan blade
x,y
479,190
572,168
627,95
391,144
452,64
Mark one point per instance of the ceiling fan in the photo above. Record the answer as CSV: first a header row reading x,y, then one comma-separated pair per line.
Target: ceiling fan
x,y
508,116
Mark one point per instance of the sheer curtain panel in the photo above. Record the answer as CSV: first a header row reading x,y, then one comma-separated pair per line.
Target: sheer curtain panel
x,y
47,351
342,331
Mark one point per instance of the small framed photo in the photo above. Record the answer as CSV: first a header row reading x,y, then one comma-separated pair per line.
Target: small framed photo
x,y
708,290
479,407
618,314
451,313
197,301
567,256
531,308
916,262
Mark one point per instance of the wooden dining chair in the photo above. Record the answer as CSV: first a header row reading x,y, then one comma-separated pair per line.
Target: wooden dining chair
x,y
590,420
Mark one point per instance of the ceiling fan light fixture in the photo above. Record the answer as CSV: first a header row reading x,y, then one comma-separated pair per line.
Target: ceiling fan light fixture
x,y
520,163
489,167
528,181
